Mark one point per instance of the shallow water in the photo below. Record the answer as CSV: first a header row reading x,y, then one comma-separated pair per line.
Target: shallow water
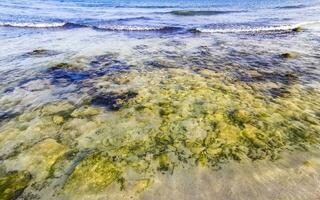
x,y
149,100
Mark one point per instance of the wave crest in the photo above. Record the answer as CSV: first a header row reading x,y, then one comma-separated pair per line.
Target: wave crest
x,y
292,7
33,24
137,28
201,12
247,29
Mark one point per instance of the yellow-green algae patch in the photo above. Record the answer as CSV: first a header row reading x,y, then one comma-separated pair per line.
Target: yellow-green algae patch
x,y
93,174
179,118
38,159
13,184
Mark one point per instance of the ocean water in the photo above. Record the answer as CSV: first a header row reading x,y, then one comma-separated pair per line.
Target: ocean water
x,y
132,99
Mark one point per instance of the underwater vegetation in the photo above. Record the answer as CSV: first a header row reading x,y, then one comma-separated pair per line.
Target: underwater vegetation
x,y
13,184
153,122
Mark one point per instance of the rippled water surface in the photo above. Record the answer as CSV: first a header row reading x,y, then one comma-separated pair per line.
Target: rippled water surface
x,y
159,100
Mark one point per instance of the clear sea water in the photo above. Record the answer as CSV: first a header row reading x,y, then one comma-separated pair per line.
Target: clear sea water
x,y
168,99
143,14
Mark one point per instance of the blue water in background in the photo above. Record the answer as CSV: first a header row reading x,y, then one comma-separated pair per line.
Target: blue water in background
x,y
126,15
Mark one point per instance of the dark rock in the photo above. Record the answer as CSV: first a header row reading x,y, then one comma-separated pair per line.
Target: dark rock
x,y
159,64
62,76
278,92
289,55
263,76
66,66
297,29
41,53
7,116
105,60
9,90
113,101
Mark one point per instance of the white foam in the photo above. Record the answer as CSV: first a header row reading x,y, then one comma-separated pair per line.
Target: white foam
x,y
242,29
131,28
32,24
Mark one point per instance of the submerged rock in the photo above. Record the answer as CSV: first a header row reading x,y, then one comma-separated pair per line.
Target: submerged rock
x,y
64,66
85,111
105,60
13,184
38,159
113,101
297,29
41,53
164,162
278,92
289,55
160,64
7,115
177,119
61,107
58,119
93,174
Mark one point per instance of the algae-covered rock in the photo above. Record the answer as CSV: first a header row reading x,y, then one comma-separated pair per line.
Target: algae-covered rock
x,y
297,29
65,66
113,101
177,118
164,162
58,119
85,111
94,174
141,185
13,184
38,159
240,117
289,55
61,107
41,52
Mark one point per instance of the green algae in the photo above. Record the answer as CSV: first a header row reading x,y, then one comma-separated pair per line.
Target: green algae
x,y
38,159
177,118
13,184
164,162
205,123
93,174
85,111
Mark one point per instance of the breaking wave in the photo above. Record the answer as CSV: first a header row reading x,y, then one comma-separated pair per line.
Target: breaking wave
x,y
248,29
292,7
157,28
33,24
41,25
201,12
138,28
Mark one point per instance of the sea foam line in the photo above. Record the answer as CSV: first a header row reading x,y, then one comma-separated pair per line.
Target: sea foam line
x,y
255,29
136,28
33,24
101,27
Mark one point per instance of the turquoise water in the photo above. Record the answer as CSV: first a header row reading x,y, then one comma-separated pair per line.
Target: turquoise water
x,y
159,100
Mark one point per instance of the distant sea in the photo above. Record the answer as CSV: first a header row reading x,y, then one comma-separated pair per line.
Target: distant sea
x,y
169,16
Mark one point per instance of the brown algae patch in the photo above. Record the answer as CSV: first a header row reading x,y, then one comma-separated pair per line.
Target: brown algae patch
x,y
176,118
